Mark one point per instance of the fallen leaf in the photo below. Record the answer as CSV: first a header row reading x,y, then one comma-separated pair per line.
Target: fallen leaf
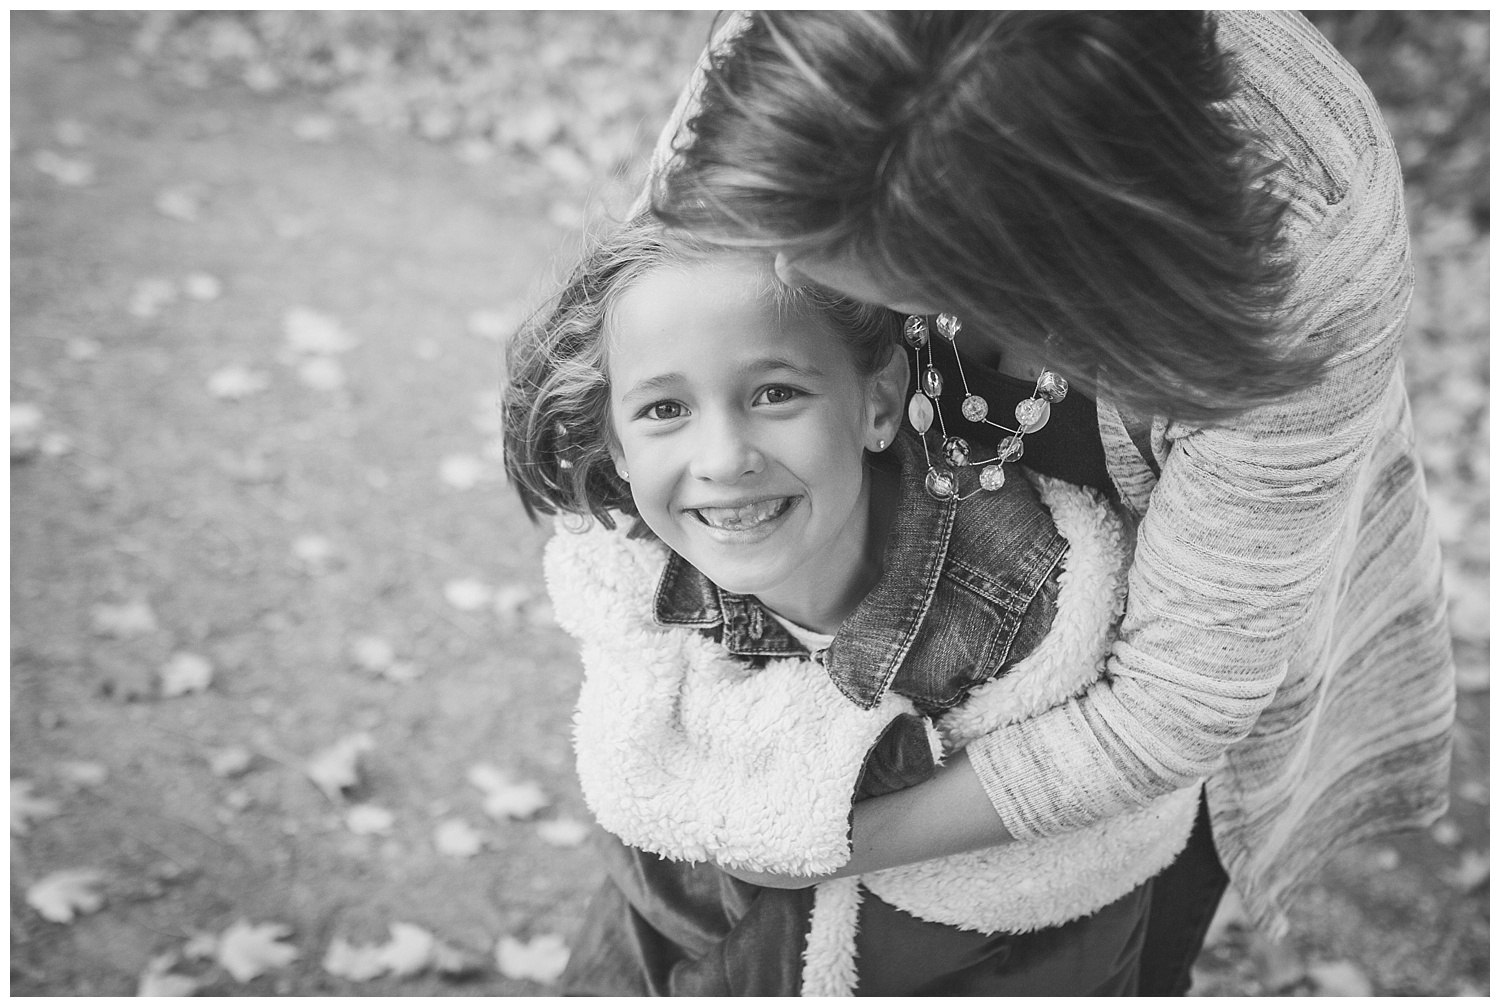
x,y
26,808
564,832
369,820
1474,791
336,768
228,763
452,963
409,950
202,286
1384,858
316,128
456,838
315,333
25,430
151,295
402,672
82,349
184,673
462,471
236,382
248,950
467,594
542,959
239,799
314,552
371,653
81,774
357,963
1339,979
179,203
158,980
133,618
1472,871
322,374
201,947
63,170
515,800
63,894
1447,833
56,444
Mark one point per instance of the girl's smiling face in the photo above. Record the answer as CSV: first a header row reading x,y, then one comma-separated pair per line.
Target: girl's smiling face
x,y
743,427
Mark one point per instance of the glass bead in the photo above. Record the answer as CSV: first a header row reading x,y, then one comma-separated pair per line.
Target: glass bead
x,y
948,326
991,477
932,383
975,408
940,484
916,332
1052,386
1010,449
956,450
919,411
1032,414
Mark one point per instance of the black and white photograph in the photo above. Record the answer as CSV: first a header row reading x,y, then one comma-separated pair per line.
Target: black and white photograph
x,y
815,503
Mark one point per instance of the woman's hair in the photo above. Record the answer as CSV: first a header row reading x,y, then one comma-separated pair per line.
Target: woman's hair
x,y
1072,180
555,404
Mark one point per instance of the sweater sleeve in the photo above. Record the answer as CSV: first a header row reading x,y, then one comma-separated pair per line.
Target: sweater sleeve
x,y
1239,540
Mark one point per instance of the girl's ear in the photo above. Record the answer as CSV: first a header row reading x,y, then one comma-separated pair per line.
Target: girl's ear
x,y
887,400
618,457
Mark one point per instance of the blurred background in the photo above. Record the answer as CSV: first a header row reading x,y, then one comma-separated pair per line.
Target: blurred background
x,y
288,711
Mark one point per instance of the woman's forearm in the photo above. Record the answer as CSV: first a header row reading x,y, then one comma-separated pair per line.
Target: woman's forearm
x,y
948,814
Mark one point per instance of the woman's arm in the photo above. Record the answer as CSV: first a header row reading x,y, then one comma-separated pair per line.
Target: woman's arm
x,y
950,813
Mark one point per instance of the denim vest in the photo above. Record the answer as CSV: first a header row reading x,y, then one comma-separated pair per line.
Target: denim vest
x,y
968,588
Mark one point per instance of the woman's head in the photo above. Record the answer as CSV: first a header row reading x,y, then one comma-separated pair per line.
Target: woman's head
x,y
676,363
1069,178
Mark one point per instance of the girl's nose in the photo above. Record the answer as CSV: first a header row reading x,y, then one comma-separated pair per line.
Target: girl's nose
x,y
724,453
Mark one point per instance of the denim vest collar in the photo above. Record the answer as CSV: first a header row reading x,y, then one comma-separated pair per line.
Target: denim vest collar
x,y
1013,547
872,643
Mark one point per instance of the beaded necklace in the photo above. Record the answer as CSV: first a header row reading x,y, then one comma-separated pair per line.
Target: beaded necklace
x,y
1031,414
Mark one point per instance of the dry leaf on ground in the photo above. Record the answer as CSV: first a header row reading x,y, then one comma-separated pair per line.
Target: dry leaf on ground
x,y
336,768
369,820
563,832
26,808
506,797
457,838
1339,979
371,653
409,950
158,980
467,594
462,472
185,673
236,381
231,762
151,295
315,333
83,774
179,203
247,950
322,374
132,618
25,430
202,286
63,894
542,959
63,170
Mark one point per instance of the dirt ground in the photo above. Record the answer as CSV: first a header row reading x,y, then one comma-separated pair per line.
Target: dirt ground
x,y
257,514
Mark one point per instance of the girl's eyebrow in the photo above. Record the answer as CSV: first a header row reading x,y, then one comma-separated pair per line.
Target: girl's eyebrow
x,y
647,387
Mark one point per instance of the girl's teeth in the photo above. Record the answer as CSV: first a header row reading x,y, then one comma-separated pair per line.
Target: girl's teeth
x,y
739,518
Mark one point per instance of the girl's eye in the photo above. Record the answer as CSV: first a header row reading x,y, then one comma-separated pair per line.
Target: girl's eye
x,y
663,411
776,394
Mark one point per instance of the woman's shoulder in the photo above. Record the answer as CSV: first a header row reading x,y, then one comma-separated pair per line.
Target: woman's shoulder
x,y
1311,107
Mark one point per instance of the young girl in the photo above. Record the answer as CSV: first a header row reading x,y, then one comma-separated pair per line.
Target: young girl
x,y
798,618
1197,218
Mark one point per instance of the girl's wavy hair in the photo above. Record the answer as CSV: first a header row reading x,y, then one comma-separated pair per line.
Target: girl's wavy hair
x,y
1068,179
555,403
